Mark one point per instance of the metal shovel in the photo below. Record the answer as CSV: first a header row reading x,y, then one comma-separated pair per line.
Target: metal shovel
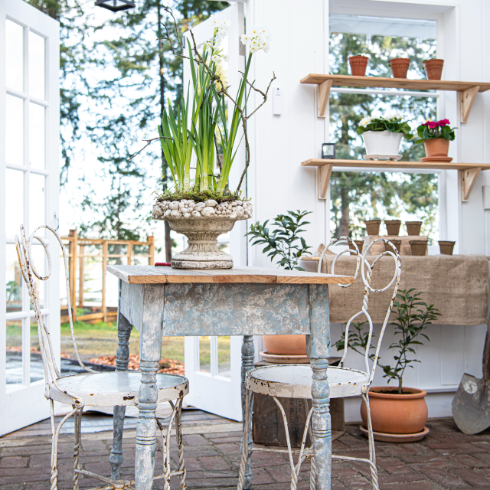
x,y
471,405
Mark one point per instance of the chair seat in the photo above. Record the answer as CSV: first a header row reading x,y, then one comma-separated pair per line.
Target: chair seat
x,y
115,389
294,381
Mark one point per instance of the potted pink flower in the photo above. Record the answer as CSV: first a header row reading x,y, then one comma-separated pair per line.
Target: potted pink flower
x,y
436,136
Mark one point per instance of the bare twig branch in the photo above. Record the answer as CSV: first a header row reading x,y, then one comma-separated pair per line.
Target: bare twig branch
x,y
149,142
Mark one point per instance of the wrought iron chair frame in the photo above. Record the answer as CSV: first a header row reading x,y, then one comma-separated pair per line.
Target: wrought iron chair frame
x,y
366,273
52,375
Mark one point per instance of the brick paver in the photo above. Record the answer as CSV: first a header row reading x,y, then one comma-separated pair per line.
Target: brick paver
x,y
445,459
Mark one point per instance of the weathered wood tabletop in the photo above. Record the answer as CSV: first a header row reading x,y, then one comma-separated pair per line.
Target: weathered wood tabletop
x,y
245,301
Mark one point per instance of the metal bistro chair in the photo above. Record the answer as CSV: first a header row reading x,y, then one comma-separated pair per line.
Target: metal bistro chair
x,y
295,381
96,389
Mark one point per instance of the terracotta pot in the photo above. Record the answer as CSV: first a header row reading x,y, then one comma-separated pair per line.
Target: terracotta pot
x,y
413,227
393,227
358,65
436,147
418,247
396,243
372,226
396,414
399,67
433,69
292,345
446,247
359,243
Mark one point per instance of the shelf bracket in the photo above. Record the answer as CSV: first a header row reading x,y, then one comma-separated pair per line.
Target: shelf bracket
x,y
468,179
324,174
322,94
467,100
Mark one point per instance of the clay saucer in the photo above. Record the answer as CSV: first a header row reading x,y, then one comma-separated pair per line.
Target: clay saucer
x,y
284,359
384,437
437,159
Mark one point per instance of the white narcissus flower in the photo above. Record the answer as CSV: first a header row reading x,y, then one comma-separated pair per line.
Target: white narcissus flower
x,y
215,58
226,57
245,38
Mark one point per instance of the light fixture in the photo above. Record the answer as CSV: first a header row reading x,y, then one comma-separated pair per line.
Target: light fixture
x,y
115,5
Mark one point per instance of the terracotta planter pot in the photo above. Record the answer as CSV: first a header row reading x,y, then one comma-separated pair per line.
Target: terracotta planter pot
x,y
433,69
399,67
359,243
396,243
413,227
418,247
436,147
396,414
446,247
372,226
358,65
292,345
393,227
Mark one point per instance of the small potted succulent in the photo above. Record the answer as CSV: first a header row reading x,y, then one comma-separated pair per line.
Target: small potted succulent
x,y
436,135
382,136
284,242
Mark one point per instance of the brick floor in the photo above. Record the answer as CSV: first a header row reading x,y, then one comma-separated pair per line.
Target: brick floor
x,y
445,459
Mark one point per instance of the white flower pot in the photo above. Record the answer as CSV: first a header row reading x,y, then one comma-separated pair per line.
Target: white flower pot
x,y
382,143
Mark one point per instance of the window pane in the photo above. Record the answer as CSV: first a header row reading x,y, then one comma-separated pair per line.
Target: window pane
x,y
205,354
14,354
14,200
14,144
13,281
15,55
224,356
37,136
37,372
37,65
38,261
37,202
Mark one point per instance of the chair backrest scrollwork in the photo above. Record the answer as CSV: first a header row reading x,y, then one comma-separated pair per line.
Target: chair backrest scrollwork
x,y
366,275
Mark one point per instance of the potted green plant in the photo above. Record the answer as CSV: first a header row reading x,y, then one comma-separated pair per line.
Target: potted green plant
x,y
382,136
205,128
436,135
284,242
397,410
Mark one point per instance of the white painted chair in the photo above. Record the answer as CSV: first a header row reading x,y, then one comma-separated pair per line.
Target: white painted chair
x,y
294,381
95,389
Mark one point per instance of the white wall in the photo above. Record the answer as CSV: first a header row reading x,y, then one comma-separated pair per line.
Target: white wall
x,y
277,183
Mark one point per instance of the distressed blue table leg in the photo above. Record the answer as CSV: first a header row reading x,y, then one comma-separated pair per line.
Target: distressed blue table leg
x,y
122,358
248,356
318,347
146,428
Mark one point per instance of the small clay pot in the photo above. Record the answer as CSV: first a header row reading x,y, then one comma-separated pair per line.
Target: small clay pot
x,y
358,65
293,345
396,243
359,244
399,67
372,226
413,227
446,247
436,147
433,69
418,247
396,414
393,227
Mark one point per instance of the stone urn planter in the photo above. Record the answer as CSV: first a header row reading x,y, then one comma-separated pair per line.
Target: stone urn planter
x,y
202,223
392,413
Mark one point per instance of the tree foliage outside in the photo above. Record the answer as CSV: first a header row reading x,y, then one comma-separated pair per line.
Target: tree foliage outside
x,y
356,196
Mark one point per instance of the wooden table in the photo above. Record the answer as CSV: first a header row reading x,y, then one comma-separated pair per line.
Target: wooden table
x,y
160,301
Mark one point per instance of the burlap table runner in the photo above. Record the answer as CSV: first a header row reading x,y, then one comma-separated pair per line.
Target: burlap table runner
x,y
455,284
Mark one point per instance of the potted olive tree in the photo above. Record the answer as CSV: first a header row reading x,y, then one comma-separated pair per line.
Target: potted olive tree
x,y
285,243
397,409
382,136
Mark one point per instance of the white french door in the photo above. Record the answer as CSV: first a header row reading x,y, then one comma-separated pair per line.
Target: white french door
x,y
213,364
29,189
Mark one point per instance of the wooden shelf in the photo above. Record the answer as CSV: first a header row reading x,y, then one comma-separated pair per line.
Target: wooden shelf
x,y
468,172
467,90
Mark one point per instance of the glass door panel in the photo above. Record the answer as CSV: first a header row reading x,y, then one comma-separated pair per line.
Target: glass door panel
x,y
14,201
14,142
15,55
37,135
37,66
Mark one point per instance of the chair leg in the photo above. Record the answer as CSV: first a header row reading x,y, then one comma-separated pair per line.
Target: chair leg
x,y
180,443
372,452
116,457
77,420
245,448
